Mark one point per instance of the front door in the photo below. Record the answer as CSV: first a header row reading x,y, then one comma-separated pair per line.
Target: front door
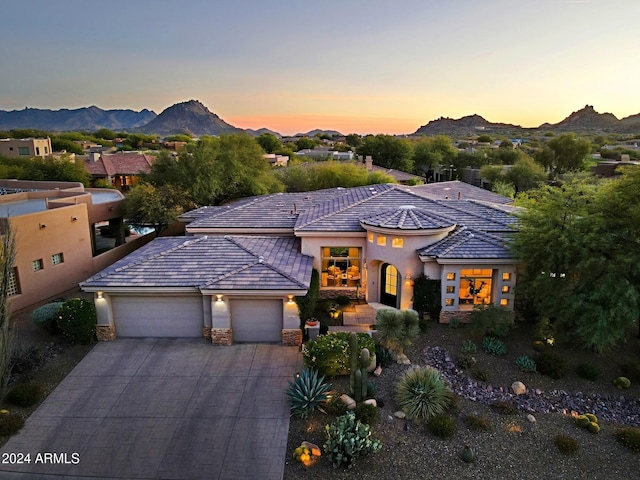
x,y
389,285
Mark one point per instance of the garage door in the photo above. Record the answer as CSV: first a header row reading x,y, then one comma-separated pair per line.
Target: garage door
x,y
152,316
256,320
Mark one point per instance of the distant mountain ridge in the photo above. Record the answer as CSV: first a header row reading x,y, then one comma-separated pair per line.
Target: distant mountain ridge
x,y
468,125
86,118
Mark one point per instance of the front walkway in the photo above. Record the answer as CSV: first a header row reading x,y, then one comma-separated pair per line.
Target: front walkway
x,y
359,318
163,409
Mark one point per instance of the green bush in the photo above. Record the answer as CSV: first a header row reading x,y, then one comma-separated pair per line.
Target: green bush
x,y
465,361
349,439
629,437
539,346
551,365
46,317
505,407
477,422
469,347
631,370
371,389
25,360
396,329
443,426
306,392
622,383
480,374
491,320
366,413
329,354
10,423
77,320
494,346
307,304
427,298
566,444
335,406
455,323
25,394
588,371
383,356
343,300
421,393
526,364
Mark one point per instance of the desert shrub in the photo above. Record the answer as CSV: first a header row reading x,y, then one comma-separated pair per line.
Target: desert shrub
x,y
480,374
307,304
343,300
505,407
629,437
25,360
477,422
348,439
455,323
631,370
588,371
335,406
46,316
421,393
566,444
622,383
526,364
494,346
306,392
396,329
443,426
371,389
588,421
10,423
491,320
545,329
454,403
25,394
366,413
465,361
551,365
329,354
539,346
469,347
383,356
77,320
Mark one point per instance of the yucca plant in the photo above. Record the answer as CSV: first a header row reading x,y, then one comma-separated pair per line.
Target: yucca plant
x,y
421,393
306,392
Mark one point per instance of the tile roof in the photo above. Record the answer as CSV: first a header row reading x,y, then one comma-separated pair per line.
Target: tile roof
x,y
466,243
216,261
451,190
407,217
120,164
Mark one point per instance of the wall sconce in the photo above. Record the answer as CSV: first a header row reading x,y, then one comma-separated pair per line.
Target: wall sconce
x,y
290,297
218,298
100,297
408,279
42,226
74,219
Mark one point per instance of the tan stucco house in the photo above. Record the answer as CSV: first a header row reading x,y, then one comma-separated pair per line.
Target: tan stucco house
x,y
235,274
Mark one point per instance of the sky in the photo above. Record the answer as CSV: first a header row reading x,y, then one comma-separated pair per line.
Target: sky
x,y
356,66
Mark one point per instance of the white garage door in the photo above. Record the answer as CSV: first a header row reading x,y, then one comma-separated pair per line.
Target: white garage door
x,y
256,320
151,316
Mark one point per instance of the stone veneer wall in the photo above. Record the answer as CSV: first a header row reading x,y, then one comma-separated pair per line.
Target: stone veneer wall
x,y
206,333
105,333
221,336
292,337
445,317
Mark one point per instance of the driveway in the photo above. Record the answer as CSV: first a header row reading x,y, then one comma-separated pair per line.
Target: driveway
x,y
163,409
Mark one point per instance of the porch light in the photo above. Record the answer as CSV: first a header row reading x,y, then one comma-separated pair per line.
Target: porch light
x,y
218,298
290,297
100,297
408,279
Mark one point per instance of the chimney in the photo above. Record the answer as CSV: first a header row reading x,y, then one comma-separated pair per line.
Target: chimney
x,y
361,159
459,195
94,156
368,162
625,157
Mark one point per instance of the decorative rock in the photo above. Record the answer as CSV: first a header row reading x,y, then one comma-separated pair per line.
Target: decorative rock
x,y
400,414
371,401
348,401
315,450
518,388
403,359
378,371
531,418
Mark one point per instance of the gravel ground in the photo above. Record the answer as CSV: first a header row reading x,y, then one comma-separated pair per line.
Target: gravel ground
x,y
513,448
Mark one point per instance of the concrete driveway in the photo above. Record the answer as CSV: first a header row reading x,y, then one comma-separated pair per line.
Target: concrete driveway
x,y
163,409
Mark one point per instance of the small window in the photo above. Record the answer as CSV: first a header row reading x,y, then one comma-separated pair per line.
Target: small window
x,y
23,150
451,289
382,240
46,150
397,242
37,265
448,302
370,237
37,150
506,276
504,302
506,288
451,276
13,287
57,259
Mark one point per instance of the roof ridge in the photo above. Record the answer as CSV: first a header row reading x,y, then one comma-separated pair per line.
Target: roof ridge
x,y
230,208
228,274
457,238
473,214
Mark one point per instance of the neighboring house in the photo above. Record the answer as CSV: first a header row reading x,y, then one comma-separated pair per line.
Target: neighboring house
x,y
54,227
25,147
325,153
235,274
121,170
276,160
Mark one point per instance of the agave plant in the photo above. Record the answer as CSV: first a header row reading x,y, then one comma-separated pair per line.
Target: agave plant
x,y
421,393
306,392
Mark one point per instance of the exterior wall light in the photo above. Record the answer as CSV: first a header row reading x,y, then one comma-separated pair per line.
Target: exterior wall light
x,y
100,296
408,279
219,298
42,226
290,297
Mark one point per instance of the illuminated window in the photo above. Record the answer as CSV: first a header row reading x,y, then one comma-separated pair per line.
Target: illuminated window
x,y
57,259
504,302
506,276
397,242
391,280
341,266
37,265
382,240
370,237
448,302
451,276
451,289
475,287
13,287
506,288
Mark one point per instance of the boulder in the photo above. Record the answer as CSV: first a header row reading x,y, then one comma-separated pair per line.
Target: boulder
x,y
378,371
531,418
371,401
348,401
518,388
403,359
400,414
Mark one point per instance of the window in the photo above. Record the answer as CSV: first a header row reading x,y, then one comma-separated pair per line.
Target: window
x,y
57,259
370,237
341,267
23,150
451,276
13,287
46,150
506,288
448,302
397,242
451,289
391,280
475,287
506,276
504,302
37,265
37,150
382,240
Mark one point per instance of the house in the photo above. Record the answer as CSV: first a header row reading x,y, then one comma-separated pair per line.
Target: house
x,y
121,170
234,276
25,147
54,227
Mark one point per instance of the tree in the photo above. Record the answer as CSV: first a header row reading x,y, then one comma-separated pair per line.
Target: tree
x,y
7,259
105,134
388,151
269,142
430,152
147,205
64,144
353,140
564,153
330,174
525,174
305,143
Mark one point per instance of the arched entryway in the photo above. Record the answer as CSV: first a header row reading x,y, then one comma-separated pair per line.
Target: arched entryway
x,y
389,284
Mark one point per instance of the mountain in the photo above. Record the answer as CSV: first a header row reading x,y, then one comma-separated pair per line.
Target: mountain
x,y
81,119
317,131
260,131
188,117
469,125
585,119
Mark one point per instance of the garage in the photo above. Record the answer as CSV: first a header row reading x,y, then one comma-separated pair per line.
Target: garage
x,y
256,320
155,316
